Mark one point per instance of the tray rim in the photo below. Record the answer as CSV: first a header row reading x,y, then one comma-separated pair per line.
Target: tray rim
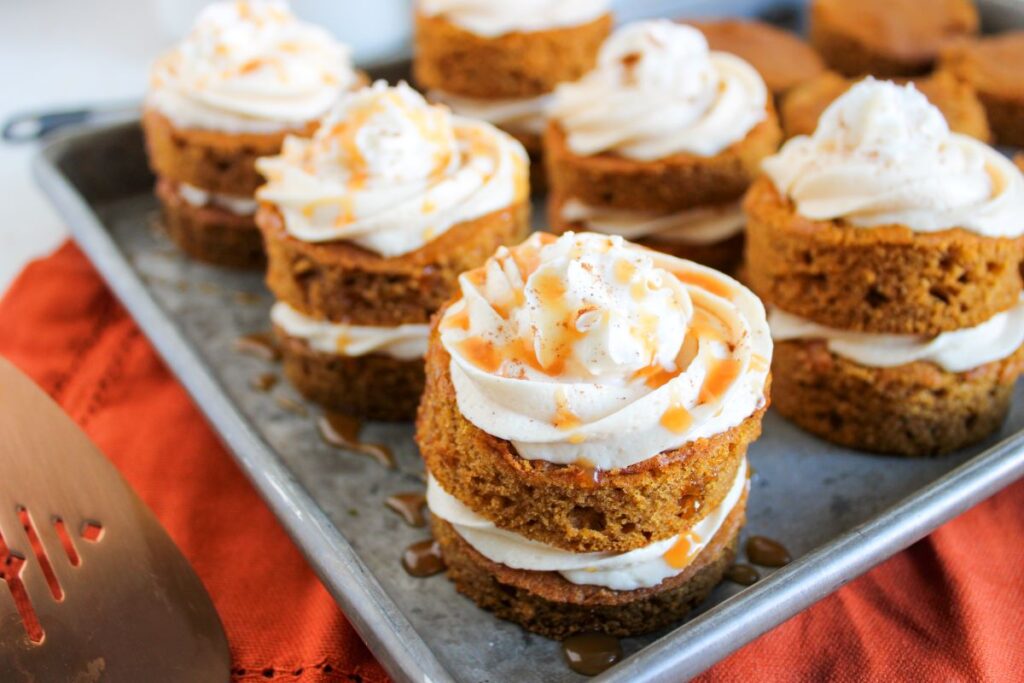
x,y
683,653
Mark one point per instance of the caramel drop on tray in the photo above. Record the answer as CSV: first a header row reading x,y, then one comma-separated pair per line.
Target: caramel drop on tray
x,y
409,506
743,574
766,552
342,431
258,344
423,559
591,653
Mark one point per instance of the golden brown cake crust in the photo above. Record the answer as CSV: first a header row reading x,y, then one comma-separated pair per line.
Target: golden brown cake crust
x,y
210,160
372,387
724,256
514,65
803,105
782,58
548,604
884,279
563,505
210,233
917,409
680,181
993,65
887,38
342,282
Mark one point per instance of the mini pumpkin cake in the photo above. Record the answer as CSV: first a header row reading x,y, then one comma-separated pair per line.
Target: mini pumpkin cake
x,y
889,250
802,106
499,61
783,58
659,143
367,226
992,65
248,74
585,424
888,38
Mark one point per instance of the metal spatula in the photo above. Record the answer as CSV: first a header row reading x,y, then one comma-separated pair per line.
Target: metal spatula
x,y
95,588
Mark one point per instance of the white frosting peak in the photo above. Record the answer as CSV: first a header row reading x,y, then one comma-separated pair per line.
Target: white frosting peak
x,y
882,154
390,172
658,91
250,66
492,18
588,348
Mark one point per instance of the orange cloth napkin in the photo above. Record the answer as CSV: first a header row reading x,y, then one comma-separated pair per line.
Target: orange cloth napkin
x,y
948,609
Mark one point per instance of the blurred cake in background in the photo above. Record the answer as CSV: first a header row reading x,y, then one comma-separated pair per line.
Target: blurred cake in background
x,y
585,424
367,226
888,38
659,142
783,58
889,252
803,105
247,75
499,61
994,66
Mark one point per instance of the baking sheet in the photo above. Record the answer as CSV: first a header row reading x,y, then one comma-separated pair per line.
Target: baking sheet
x,y
838,512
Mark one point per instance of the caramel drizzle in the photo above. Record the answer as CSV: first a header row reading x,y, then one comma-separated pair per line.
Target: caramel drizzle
x,y
683,550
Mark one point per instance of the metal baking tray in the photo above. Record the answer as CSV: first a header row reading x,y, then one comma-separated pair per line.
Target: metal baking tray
x,y
839,512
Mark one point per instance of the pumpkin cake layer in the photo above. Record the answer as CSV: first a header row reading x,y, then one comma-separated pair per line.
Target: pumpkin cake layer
x,y
548,604
213,161
342,282
884,279
680,181
513,65
917,409
210,233
887,38
374,386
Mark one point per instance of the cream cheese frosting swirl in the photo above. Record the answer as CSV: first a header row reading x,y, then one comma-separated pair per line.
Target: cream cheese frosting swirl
x,y
250,66
882,155
641,568
389,172
588,349
956,351
404,342
658,91
492,18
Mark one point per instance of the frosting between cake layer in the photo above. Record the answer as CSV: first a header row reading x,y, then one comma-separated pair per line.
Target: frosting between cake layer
x,y
240,206
700,226
526,115
641,568
249,66
404,342
658,91
882,155
957,351
492,18
587,349
389,172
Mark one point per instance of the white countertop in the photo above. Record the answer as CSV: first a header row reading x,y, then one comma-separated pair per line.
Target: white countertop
x,y
90,54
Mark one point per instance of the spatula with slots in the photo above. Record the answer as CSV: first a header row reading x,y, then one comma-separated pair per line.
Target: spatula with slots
x,y
91,586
